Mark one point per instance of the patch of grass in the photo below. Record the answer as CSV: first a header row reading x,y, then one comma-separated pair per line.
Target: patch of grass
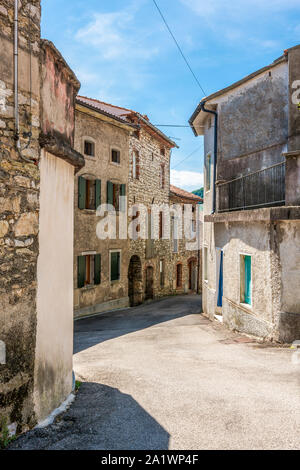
x,y
5,437
77,385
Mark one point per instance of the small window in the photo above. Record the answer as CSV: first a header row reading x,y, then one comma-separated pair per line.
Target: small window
x,y
136,134
89,270
163,151
89,193
161,228
207,172
205,265
179,275
89,148
135,165
246,279
162,272
162,177
115,272
115,156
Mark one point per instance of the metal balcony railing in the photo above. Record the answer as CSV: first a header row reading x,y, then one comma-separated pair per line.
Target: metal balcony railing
x,y
263,188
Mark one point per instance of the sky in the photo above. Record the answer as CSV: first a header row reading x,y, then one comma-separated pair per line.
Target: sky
x,y
123,54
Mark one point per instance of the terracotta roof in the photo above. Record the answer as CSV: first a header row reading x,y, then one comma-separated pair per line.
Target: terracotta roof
x,y
185,194
123,114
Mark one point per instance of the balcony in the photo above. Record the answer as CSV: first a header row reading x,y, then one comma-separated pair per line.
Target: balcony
x,y
263,188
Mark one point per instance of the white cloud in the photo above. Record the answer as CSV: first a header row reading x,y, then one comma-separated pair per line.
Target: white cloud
x,y
116,37
188,180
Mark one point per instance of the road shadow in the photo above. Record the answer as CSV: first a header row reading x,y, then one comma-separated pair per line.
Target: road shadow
x,y
95,330
101,418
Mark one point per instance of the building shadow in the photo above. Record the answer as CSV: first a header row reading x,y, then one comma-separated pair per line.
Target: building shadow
x,y
95,330
101,418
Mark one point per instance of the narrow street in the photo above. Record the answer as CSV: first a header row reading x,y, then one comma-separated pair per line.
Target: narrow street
x,y
161,376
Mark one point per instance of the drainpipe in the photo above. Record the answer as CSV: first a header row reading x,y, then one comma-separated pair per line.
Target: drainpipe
x,y
16,65
205,110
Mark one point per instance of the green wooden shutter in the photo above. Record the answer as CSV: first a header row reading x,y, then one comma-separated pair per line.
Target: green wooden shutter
x,y
110,193
248,281
81,271
81,192
123,193
98,193
97,269
115,266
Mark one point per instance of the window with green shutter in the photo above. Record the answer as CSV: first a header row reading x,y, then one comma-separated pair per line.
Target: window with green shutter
x,y
97,268
110,193
98,193
246,280
122,195
115,265
81,192
81,273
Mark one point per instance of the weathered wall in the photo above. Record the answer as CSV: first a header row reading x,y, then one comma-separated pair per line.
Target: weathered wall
x,y
54,341
106,136
19,211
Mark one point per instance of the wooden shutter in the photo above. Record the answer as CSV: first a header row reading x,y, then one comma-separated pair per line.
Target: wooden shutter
x,y
248,282
115,266
122,193
110,193
98,193
97,270
81,271
81,192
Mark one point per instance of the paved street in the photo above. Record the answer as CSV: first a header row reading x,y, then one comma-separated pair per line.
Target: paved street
x,y
161,376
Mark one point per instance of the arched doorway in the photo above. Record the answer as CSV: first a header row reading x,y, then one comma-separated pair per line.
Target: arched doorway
x,y
192,266
135,281
149,291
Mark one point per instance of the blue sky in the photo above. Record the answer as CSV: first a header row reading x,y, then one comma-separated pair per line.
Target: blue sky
x,y
123,54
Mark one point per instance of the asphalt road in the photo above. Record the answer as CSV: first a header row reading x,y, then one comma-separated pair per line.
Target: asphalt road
x,y
161,376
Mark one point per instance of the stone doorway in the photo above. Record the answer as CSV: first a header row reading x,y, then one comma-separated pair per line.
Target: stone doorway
x,y
135,281
149,292
192,266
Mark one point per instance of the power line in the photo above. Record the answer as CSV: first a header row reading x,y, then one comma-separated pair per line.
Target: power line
x,y
179,48
189,156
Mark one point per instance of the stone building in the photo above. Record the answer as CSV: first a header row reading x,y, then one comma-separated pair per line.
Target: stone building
x,y
251,251
100,265
186,253
37,167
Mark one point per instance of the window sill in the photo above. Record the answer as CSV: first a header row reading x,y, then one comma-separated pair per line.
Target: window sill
x,y
88,211
89,157
115,164
117,281
88,287
246,306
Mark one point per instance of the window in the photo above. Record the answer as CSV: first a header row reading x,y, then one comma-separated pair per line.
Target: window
x,y
115,265
89,270
207,172
179,275
175,234
162,272
163,151
89,193
205,265
115,156
162,177
161,218
135,165
89,148
116,191
246,279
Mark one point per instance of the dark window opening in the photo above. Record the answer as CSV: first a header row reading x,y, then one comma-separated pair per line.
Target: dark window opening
x,y
89,193
89,270
89,148
115,156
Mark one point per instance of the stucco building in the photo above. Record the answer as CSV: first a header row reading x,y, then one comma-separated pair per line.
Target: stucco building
x,y
251,251
37,165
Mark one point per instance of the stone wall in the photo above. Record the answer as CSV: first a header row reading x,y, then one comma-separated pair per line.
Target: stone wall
x,y
106,135
19,213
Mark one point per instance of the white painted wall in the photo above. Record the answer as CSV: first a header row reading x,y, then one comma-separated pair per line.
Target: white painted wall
x,y
54,348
